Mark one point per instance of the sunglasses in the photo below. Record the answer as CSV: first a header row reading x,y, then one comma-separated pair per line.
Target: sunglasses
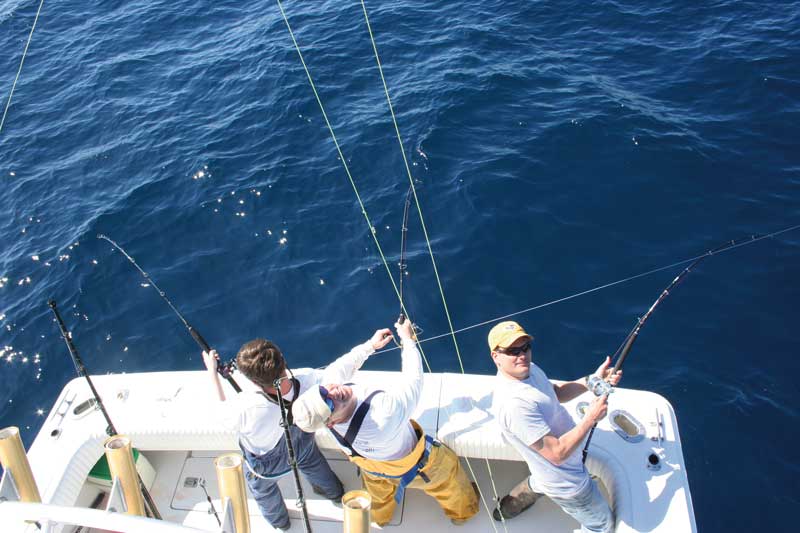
x,y
324,393
515,352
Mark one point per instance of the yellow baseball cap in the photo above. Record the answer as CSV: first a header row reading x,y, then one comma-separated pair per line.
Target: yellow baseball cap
x,y
505,334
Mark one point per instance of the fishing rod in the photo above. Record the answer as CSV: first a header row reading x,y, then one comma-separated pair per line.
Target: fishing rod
x,y
598,385
110,429
403,265
224,369
301,500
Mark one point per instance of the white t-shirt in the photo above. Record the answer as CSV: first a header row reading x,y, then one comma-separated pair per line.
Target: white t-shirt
x,y
527,410
257,420
386,433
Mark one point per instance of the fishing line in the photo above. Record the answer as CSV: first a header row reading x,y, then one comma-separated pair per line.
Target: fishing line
x,y
21,62
372,229
736,244
412,189
363,208
411,185
224,369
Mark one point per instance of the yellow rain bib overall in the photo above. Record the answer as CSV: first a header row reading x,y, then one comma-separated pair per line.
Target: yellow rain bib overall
x,y
432,467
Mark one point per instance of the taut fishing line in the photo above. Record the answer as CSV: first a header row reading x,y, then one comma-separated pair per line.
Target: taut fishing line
x,y
731,245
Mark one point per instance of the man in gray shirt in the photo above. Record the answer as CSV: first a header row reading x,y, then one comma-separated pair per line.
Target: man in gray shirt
x,y
528,408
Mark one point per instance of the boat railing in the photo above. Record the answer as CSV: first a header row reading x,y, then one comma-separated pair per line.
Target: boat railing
x,y
48,518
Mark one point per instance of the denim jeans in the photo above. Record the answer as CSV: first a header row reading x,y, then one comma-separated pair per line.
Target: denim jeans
x,y
590,509
262,473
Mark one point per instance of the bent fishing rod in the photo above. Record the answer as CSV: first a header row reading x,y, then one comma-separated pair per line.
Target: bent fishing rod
x,y
110,429
601,387
224,369
402,264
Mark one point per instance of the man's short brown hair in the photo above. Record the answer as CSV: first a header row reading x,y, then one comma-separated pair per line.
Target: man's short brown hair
x,y
261,361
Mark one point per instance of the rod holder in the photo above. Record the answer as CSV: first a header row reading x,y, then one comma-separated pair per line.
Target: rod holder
x,y
356,505
230,480
16,465
120,462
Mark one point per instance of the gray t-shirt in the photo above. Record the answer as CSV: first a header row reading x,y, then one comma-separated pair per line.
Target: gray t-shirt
x,y
526,411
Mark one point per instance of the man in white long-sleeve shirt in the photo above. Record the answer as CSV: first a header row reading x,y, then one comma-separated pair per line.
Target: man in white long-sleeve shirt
x,y
374,428
256,417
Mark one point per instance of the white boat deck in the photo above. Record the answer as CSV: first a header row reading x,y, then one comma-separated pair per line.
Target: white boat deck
x,y
186,503
166,415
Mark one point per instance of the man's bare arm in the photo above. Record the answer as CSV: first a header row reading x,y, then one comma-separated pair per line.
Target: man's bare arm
x,y
558,449
211,359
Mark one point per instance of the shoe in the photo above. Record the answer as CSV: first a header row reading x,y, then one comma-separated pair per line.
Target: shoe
x,y
458,522
519,499
318,491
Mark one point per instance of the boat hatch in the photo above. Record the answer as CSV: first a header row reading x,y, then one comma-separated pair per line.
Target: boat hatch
x,y
626,426
623,423
84,408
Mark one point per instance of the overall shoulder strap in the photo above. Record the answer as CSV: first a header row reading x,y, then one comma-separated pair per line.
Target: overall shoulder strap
x,y
273,398
355,425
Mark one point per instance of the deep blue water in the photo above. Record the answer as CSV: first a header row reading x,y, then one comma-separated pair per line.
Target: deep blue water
x,y
557,147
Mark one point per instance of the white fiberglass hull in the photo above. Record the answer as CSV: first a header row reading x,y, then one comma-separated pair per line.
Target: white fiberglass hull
x,y
166,415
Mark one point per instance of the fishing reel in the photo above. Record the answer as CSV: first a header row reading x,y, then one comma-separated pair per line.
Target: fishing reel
x,y
598,385
227,368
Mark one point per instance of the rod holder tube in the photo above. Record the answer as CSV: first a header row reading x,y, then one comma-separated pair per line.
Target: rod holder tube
x,y
15,463
120,462
356,505
230,480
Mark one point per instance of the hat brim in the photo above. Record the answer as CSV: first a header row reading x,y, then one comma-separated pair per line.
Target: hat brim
x,y
512,337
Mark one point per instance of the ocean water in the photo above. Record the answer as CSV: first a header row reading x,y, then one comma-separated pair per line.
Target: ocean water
x,y
556,147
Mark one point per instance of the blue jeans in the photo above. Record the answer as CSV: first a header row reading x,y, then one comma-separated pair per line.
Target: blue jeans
x,y
262,473
590,509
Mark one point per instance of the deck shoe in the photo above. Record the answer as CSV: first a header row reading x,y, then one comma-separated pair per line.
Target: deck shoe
x,y
520,498
318,490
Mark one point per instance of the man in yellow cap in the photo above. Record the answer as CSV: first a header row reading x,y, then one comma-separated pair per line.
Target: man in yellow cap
x,y
527,405
373,427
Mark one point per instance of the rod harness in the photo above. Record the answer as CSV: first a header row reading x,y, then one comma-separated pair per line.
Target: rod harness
x,y
224,369
285,423
110,429
601,387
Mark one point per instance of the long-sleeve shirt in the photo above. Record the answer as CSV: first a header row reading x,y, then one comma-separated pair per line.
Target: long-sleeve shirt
x,y
257,420
386,433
